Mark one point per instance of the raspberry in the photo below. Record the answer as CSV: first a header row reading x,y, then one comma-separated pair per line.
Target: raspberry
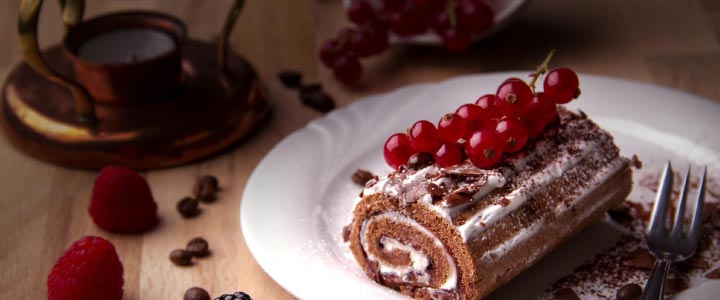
x,y
88,270
122,202
234,296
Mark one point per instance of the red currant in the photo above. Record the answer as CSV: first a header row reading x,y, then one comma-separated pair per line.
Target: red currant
x,y
449,154
330,51
441,23
475,118
561,85
514,97
378,37
484,149
361,12
456,40
424,137
451,128
474,16
347,69
397,150
393,4
512,134
488,103
361,43
542,111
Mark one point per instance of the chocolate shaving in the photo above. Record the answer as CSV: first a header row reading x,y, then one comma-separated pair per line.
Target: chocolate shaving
x,y
640,259
636,162
675,285
435,191
715,218
714,274
464,170
503,201
455,198
566,294
361,177
629,292
420,160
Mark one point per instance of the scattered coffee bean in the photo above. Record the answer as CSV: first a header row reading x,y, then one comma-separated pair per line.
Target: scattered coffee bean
x,y
715,218
640,259
675,285
311,87
361,177
290,78
205,188
629,292
181,257
714,274
318,100
196,293
234,296
188,207
198,247
566,294
420,160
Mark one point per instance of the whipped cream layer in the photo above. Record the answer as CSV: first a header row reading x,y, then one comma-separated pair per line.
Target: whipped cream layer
x,y
474,199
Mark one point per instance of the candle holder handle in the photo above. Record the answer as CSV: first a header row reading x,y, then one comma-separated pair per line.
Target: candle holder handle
x,y
225,34
27,32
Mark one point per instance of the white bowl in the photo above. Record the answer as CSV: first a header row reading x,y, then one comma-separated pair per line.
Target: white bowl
x,y
505,11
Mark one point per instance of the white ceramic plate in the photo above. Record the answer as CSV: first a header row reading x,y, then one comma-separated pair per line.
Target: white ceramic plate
x,y
300,195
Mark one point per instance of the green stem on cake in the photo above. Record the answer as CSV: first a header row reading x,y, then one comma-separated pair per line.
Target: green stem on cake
x,y
541,69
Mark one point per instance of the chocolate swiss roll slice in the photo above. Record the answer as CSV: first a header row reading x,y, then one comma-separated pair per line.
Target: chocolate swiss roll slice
x,y
460,232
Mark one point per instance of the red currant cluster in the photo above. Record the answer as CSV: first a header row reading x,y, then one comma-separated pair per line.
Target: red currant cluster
x,y
496,124
455,21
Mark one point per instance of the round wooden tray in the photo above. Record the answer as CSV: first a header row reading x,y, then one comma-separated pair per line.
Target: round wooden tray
x,y
209,113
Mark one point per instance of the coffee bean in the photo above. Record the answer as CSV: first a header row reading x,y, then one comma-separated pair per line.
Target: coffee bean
x,y
361,177
198,247
188,207
317,99
420,160
205,188
629,292
566,294
290,78
234,296
181,257
196,293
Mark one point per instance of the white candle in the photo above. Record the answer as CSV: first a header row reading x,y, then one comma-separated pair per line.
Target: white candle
x,y
126,46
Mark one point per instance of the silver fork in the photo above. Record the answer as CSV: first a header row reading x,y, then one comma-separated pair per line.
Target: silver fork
x,y
677,245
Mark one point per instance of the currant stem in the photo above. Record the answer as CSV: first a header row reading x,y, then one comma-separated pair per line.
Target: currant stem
x,y
451,13
541,69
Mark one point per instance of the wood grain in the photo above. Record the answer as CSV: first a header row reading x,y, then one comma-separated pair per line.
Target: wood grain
x,y
44,207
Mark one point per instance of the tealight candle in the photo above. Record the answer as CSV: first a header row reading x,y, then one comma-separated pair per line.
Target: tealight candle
x,y
126,46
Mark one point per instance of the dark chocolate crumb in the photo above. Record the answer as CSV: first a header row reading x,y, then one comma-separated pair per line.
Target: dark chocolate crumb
x,y
629,292
454,199
566,294
714,274
640,259
361,177
636,162
346,233
290,78
675,285
420,160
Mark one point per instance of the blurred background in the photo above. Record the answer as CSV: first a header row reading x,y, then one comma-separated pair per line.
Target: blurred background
x,y
673,43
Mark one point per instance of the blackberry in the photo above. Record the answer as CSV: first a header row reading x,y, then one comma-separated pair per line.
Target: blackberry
x,y
235,296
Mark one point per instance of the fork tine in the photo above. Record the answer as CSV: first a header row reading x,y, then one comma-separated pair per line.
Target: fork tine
x,y
696,228
677,230
658,219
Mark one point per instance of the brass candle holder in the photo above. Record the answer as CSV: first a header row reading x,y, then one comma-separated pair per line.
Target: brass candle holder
x,y
128,89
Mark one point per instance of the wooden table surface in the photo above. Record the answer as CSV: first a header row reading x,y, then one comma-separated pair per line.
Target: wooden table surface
x,y
44,207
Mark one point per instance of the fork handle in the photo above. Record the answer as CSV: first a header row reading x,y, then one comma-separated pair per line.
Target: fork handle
x,y
655,285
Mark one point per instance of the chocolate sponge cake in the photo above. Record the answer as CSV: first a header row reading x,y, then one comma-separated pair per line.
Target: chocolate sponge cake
x,y
460,232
